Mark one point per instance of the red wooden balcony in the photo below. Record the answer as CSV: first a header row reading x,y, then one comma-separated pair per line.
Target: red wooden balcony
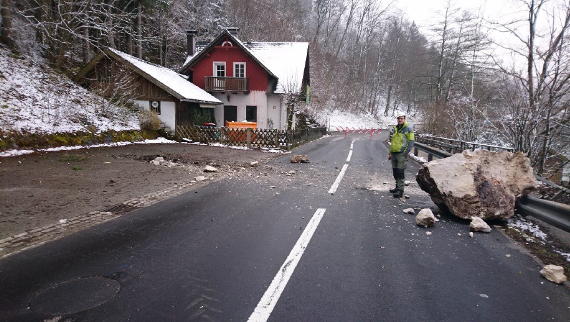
x,y
226,84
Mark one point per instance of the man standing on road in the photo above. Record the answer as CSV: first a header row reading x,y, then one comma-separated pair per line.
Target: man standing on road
x,y
400,146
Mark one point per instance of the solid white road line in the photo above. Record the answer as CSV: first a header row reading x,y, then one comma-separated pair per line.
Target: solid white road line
x,y
271,296
349,156
338,179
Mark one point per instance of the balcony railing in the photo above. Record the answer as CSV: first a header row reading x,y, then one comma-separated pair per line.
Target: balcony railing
x,y
226,84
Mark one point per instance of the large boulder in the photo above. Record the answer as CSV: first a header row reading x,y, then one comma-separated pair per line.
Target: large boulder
x,y
478,183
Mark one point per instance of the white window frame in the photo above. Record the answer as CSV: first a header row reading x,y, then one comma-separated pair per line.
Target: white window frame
x,y
244,69
219,63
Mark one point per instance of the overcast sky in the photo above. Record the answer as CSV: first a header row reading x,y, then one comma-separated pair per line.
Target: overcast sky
x,y
423,12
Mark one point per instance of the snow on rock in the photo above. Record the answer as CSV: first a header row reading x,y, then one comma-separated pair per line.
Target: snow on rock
x,y
35,98
554,274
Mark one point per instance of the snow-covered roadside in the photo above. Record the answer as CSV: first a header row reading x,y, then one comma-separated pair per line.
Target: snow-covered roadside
x,y
36,99
532,232
160,140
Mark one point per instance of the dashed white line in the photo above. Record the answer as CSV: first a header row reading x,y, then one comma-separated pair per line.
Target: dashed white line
x,y
338,179
271,296
349,156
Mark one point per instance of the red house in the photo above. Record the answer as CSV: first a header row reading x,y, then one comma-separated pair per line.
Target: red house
x,y
256,81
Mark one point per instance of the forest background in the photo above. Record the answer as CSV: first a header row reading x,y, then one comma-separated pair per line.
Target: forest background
x,y
468,77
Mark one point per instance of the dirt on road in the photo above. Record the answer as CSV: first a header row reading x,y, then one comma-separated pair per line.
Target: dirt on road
x,y
44,196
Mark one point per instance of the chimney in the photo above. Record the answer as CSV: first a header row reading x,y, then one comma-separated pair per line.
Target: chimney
x,y
191,42
234,31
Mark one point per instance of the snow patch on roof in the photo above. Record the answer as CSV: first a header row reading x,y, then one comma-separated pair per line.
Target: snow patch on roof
x,y
285,59
170,79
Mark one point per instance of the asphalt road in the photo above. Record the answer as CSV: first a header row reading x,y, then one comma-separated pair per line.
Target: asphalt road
x,y
282,247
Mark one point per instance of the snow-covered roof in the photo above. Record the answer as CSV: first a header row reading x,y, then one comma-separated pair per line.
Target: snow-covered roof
x,y
175,83
283,60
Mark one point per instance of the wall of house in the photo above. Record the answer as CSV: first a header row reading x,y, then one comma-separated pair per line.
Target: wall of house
x,y
274,112
254,98
255,74
167,112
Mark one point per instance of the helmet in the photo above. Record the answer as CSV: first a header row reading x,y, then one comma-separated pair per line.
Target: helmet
x,y
400,114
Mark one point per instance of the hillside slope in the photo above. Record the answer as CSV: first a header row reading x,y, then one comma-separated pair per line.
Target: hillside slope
x,y
35,98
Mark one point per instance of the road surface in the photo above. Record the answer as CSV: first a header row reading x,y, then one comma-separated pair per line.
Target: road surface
x,y
322,241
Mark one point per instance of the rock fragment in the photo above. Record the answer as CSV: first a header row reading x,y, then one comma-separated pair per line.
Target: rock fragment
x,y
409,211
554,273
200,178
478,224
209,168
425,218
299,158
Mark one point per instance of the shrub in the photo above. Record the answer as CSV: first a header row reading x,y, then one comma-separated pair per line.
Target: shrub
x,y
149,121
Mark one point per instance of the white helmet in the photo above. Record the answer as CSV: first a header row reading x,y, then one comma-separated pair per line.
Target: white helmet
x,y
400,114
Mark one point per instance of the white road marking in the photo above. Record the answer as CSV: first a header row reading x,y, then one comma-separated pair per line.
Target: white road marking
x,y
271,296
338,179
349,156
352,144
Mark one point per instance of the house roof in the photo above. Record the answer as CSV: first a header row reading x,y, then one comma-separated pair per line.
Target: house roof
x,y
175,84
285,61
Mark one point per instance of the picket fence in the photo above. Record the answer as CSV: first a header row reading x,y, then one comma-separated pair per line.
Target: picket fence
x,y
251,138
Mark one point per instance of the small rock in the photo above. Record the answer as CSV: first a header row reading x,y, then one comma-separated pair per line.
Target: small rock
x,y
200,178
62,221
290,173
409,211
407,183
428,233
471,234
478,224
254,163
299,158
209,168
406,196
554,273
425,218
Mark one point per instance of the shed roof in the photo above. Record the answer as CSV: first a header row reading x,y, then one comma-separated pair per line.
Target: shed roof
x,y
175,84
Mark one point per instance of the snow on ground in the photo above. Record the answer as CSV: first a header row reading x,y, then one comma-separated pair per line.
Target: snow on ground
x,y
336,120
531,230
160,140
34,98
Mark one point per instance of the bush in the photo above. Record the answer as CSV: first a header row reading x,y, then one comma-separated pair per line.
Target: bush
x,y
149,121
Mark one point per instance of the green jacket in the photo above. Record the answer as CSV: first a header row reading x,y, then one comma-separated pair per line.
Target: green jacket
x,y
402,140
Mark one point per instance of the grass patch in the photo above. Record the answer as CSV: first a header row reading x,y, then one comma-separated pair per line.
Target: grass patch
x,y
72,158
76,168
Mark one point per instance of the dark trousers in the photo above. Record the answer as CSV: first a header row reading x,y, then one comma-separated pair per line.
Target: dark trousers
x,y
399,163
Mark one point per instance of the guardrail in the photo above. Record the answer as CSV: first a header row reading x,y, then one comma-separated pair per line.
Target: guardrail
x,y
554,213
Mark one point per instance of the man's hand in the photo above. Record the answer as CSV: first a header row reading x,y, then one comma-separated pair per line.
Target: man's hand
x,y
389,157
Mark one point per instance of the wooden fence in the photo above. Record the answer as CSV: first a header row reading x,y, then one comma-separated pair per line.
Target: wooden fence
x,y
251,138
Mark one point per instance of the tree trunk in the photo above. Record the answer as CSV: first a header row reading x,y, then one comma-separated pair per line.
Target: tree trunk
x,y
6,32
86,47
139,32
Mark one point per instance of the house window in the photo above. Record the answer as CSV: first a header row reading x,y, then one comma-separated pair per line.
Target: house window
x,y
155,106
239,70
220,69
251,113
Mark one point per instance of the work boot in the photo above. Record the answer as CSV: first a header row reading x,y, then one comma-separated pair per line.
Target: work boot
x,y
393,190
398,194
